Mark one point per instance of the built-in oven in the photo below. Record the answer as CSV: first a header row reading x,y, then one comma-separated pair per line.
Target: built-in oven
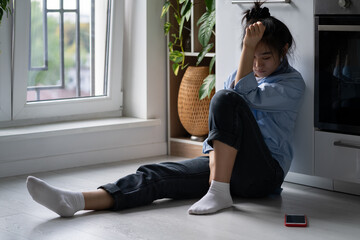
x,y
337,66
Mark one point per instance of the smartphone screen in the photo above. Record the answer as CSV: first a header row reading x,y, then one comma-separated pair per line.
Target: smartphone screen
x,y
295,220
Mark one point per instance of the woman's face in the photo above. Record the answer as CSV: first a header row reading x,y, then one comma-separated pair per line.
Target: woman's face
x,y
266,61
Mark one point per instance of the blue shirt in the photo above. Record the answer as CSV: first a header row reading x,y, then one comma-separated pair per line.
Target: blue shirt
x,y
274,101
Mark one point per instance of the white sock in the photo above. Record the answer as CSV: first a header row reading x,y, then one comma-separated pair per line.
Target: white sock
x,y
65,203
218,197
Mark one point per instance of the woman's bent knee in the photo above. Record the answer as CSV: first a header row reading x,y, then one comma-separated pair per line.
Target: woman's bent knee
x,y
226,98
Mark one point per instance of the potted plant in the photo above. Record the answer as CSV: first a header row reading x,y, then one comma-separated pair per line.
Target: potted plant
x,y
206,30
181,13
192,111
4,8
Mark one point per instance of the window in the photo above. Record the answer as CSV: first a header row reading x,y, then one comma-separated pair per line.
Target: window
x,y
65,37
67,58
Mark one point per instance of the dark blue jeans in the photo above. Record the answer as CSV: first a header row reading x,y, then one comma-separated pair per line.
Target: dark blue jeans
x,y
255,173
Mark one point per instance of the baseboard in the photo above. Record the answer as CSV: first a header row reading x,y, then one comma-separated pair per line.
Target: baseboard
x,y
308,180
347,187
58,162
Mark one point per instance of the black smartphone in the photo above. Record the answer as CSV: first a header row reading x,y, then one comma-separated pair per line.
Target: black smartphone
x,y
295,220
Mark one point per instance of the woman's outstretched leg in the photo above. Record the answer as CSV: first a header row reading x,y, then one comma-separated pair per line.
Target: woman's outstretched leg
x,y
98,200
176,180
67,203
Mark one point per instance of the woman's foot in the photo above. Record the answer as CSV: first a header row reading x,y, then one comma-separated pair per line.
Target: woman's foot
x,y
63,202
218,197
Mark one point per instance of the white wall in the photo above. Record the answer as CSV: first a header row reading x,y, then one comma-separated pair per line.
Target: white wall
x,y
145,60
144,86
135,52
299,17
156,60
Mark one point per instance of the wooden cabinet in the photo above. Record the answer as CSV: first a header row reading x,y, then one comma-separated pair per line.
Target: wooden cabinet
x,y
180,143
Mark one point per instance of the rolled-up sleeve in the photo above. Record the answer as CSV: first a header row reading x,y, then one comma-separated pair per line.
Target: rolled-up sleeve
x,y
229,83
206,147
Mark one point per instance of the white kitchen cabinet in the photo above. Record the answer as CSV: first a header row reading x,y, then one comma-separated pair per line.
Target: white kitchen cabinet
x,y
337,156
298,16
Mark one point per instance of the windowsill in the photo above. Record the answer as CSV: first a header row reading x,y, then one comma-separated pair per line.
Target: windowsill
x,y
74,127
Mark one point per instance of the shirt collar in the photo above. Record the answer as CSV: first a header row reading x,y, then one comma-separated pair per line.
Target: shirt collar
x,y
284,65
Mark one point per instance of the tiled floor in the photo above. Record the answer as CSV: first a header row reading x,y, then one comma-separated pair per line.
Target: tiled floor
x,y
331,215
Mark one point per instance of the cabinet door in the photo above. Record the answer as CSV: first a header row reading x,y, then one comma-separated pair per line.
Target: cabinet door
x,y
337,156
298,16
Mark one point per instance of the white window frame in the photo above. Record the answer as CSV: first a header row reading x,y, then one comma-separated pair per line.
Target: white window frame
x,y
5,67
23,110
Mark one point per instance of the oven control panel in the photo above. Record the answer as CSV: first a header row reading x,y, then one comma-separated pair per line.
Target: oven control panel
x,y
335,7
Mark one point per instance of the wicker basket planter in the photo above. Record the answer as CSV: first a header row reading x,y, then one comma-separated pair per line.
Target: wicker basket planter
x,y
193,113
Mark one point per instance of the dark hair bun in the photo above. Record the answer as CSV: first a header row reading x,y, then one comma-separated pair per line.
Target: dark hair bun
x,y
256,13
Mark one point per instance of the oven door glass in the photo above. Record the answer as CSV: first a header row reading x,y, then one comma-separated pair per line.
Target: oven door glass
x,y
337,80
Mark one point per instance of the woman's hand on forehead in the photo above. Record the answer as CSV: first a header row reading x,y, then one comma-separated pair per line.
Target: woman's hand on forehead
x,y
253,35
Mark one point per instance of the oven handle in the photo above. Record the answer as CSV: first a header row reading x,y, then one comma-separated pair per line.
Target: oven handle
x,y
273,1
347,145
339,28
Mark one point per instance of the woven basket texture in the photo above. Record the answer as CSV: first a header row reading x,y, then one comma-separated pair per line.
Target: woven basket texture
x,y
193,113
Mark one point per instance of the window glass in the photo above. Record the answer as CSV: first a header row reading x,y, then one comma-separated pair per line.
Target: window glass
x,y
68,50
64,63
51,4
70,4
